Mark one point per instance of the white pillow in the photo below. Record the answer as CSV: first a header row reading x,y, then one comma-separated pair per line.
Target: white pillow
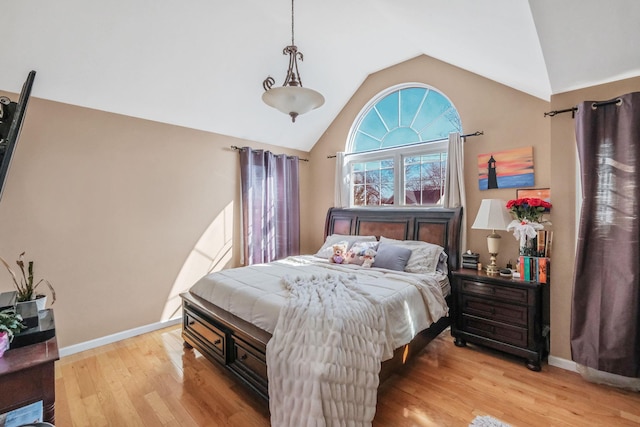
x,y
424,256
336,239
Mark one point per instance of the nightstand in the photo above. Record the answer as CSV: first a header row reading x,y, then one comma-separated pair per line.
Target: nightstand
x,y
509,315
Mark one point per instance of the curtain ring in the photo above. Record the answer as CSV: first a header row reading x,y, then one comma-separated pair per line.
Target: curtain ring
x,y
594,106
618,102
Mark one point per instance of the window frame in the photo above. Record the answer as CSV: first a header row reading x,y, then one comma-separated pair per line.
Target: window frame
x,y
396,153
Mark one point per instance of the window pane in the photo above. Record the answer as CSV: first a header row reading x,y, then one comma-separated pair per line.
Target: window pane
x,y
373,125
378,184
372,165
388,108
410,101
424,180
365,142
372,177
411,159
400,136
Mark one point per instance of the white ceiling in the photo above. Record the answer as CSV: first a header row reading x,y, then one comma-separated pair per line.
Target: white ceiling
x,y
201,63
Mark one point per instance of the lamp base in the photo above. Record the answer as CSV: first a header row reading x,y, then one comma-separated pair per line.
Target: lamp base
x,y
493,269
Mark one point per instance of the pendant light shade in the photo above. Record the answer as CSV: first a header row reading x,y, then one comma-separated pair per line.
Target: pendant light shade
x,y
291,98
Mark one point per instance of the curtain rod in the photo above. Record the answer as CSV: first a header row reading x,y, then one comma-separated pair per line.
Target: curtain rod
x,y
594,105
236,148
476,133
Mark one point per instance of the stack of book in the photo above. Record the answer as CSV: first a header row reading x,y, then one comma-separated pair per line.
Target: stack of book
x,y
535,269
470,260
541,244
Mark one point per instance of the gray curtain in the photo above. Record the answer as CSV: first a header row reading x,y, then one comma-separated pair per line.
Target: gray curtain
x,y
270,206
605,321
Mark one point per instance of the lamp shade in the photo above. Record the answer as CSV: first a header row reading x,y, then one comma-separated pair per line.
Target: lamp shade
x,y
492,215
293,100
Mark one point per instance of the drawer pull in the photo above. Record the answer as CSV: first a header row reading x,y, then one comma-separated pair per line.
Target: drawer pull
x,y
192,322
216,342
244,356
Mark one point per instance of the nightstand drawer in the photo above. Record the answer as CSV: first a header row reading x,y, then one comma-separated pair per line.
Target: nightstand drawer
x,y
495,330
502,292
492,310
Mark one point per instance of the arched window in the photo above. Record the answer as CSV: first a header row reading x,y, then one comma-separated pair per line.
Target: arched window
x,y
397,147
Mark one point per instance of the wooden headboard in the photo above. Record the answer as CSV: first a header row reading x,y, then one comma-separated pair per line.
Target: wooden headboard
x,y
440,226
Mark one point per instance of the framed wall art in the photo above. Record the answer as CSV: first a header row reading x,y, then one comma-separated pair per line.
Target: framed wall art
x,y
540,193
506,169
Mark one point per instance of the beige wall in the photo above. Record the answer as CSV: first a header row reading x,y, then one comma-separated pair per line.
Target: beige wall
x,y
120,214
509,119
563,175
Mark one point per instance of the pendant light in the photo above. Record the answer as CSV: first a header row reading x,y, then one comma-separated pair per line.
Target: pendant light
x,y
291,98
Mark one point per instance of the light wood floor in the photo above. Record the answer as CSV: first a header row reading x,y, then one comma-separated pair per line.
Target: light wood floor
x,y
151,380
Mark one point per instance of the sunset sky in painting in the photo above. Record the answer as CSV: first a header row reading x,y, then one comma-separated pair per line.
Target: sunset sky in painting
x,y
508,162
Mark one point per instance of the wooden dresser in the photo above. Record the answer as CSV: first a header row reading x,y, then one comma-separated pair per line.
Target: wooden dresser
x,y
27,375
506,314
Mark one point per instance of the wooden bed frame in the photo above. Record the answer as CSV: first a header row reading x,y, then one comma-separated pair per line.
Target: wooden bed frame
x,y
240,346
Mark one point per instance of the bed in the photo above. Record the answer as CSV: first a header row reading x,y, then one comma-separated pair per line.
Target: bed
x,y
240,346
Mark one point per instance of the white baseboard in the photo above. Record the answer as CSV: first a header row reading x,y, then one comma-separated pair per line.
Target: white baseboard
x,y
88,345
559,362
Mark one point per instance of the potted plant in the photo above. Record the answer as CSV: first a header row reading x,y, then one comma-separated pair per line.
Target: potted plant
x,y
25,284
10,324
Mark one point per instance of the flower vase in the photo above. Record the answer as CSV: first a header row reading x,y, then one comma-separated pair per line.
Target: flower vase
x,y
528,247
41,302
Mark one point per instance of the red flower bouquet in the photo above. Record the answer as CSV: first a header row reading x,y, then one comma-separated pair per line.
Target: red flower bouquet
x,y
528,208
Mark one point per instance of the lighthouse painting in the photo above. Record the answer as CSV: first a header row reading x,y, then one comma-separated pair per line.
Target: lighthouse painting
x,y
506,169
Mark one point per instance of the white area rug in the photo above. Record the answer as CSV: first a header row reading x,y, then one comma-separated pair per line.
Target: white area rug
x,y
487,421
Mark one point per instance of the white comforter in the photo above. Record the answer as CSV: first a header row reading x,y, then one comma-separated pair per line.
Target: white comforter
x,y
256,293
324,357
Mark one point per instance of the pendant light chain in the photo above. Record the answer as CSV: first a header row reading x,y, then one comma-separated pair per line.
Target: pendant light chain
x,y
292,41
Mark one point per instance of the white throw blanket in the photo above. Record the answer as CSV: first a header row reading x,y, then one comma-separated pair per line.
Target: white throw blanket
x,y
324,357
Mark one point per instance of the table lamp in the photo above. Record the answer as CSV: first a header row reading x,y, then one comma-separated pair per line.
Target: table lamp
x,y
492,215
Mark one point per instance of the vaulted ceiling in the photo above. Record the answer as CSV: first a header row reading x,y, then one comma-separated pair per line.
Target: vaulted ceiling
x,y
201,63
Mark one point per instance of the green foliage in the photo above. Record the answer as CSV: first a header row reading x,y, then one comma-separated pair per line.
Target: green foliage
x,y
10,322
25,286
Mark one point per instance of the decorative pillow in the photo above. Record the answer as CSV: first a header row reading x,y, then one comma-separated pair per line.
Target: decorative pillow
x,y
391,257
327,248
356,254
424,256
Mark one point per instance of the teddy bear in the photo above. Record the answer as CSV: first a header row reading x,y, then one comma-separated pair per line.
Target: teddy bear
x,y
368,257
338,254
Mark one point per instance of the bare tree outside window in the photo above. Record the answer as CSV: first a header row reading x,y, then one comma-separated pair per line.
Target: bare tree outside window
x,y
373,183
424,179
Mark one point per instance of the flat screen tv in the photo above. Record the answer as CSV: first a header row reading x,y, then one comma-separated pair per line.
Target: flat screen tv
x,y
11,118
